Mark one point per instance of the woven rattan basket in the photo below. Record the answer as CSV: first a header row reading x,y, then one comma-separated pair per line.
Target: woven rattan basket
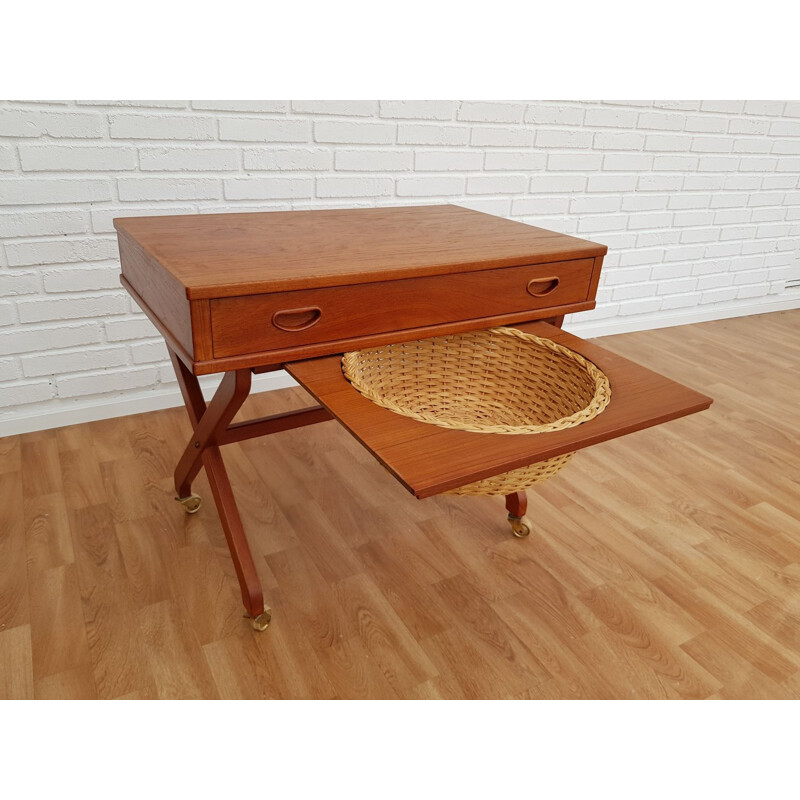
x,y
499,380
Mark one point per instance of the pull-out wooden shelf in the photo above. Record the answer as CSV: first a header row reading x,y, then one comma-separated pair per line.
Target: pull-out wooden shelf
x,y
429,460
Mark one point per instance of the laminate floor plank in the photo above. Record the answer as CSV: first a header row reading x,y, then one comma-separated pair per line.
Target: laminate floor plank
x,y
665,564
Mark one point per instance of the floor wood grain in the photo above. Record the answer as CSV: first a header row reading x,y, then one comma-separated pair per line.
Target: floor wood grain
x,y
665,564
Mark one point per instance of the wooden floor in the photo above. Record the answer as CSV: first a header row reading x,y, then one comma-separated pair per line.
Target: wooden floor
x,y
665,564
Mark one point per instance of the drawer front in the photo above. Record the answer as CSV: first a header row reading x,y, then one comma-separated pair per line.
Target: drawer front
x,y
281,320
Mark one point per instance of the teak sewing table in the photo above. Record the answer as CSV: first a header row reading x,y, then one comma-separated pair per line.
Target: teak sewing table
x,y
253,292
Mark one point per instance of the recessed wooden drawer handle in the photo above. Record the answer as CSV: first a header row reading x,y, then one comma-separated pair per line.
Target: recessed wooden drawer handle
x,y
296,319
539,287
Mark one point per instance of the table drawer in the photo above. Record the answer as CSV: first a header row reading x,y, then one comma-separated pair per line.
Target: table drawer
x,y
276,321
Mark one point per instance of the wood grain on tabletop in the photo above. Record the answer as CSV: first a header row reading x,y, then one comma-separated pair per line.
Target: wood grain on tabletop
x,y
224,255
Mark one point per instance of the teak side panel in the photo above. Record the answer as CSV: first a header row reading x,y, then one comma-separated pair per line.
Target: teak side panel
x,y
429,460
226,255
164,296
250,324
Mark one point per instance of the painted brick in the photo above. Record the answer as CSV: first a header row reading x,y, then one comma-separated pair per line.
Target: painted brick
x,y
341,186
749,127
57,124
418,109
135,103
168,188
632,291
491,112
712,144
60,362
769,108
611,183
248,106
675,163
14,282
39,191
288,158
526,160
139,327
703,123
43,223
786,147
96,306
661,121
501,137
644,202
594,204
430,186
22,395
76,279
681,105
83,158
246,129
10,369
540,205
24,254
7,317
678,301
668,141
565,139
571,162
8,161
647,306
447,160
419,133
497,184
788,165
554,115
342,108
103,218
628,162
557,184
723,106
611,118
374,160
197,159
161,126
752,145
25,340
611,140
645,220
149,352
267,188
108,381
497,206
354,132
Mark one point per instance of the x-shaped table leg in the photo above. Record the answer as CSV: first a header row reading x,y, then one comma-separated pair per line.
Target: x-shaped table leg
x,y
210,423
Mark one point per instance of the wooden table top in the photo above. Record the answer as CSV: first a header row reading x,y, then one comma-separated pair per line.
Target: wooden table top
x,y
224,255
429,460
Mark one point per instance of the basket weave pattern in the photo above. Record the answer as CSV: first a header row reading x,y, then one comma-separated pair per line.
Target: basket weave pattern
x,y
499,380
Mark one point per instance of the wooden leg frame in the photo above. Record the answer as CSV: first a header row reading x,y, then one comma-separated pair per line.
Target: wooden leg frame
x,y
212,428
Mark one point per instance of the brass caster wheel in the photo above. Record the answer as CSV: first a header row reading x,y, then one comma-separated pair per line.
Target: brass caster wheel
x,y
521,526
191,503
261,622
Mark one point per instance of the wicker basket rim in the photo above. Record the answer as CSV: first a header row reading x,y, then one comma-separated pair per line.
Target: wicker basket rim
x,y
600,398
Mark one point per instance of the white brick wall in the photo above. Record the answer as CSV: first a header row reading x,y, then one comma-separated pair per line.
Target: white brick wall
x,y
698,201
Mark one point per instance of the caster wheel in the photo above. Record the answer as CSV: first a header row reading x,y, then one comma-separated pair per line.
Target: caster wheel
x,y
191,503
261,622
521,526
